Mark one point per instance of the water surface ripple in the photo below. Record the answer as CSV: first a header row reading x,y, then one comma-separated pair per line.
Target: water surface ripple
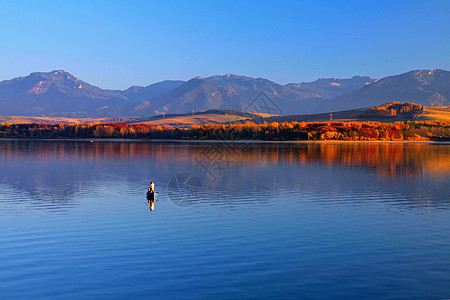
x,y
264,221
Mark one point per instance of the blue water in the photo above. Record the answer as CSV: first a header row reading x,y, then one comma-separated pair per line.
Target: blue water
x,y
232,220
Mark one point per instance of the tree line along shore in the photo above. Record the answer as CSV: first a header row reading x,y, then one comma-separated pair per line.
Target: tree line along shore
x,y
286,131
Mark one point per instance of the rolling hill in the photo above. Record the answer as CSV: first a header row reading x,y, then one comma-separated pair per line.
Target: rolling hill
x,y
429,113
61,120
218,116
208,117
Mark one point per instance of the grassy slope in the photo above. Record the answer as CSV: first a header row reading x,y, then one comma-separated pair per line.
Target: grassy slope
x,y
347,115
185,121
58,120
431,113
436,113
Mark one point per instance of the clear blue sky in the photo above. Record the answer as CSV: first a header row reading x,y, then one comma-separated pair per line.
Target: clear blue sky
x,y
115,44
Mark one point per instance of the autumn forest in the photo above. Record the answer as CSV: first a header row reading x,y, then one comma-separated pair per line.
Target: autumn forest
x,y
288,131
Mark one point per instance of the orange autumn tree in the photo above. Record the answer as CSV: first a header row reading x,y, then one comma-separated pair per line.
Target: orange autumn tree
x,y
286,131
392,109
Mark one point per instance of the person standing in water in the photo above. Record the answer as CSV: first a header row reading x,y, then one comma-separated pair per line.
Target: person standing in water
x,y
151,195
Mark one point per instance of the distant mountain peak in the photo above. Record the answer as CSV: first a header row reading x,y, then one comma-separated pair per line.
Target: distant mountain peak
x,y
51,73
54,93
328,88
362,77
61,80
228,77
425,87
59,72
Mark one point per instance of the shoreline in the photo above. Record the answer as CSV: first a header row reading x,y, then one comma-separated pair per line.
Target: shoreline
x,y
115,140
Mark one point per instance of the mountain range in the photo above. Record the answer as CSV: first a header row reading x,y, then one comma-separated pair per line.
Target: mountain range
x,y
58,93
426,87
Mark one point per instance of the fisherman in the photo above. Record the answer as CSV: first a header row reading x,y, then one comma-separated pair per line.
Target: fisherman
x,y
151,189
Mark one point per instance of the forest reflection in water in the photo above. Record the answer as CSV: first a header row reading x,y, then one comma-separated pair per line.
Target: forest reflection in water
x,y
50,173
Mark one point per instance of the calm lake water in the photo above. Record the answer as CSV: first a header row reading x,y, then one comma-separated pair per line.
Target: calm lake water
x,y
232,220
